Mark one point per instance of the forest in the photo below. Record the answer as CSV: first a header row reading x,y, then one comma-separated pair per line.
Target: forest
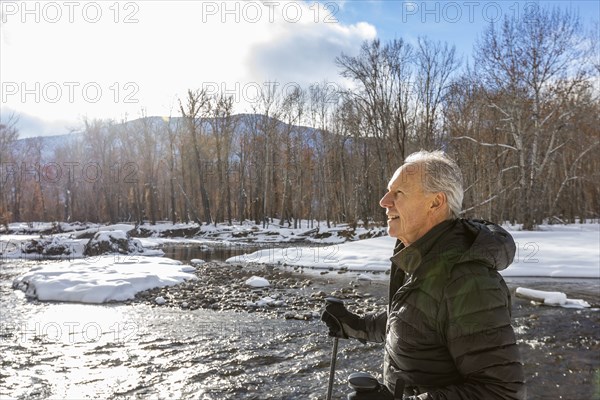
x,y
521,118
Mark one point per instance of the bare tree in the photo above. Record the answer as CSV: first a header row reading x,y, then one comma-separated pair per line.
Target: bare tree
x,y
223,127
383,74
193,114
435,64
293,109
172,129
528,70
269,109
8,135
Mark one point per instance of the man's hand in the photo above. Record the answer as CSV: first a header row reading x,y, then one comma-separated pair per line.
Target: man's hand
x,y
341,322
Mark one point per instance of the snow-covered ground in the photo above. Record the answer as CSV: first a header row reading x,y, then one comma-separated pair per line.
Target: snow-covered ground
x,y
553,251
168,233
101,279
69,244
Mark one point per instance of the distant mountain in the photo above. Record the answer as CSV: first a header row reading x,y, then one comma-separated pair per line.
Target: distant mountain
x,y
244,125
45,144
32,126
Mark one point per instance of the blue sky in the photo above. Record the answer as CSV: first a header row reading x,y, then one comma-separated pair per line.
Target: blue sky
x,y
457,22
63,62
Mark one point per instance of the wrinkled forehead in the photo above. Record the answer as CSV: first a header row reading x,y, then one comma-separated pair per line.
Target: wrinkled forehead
x,y
407,175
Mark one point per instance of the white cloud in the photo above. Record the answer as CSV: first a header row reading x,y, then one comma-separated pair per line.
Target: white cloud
x,y
147,53
307,53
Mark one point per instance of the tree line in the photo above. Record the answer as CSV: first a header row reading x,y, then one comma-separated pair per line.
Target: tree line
x,y
520,118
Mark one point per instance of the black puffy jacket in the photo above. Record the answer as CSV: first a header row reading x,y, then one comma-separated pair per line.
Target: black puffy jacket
x,y
447,329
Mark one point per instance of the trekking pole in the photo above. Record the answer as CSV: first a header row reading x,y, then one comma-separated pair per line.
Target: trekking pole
x,y
332,368
333,300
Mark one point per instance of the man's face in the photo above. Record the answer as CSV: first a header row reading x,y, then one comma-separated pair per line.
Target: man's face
x,y
408,207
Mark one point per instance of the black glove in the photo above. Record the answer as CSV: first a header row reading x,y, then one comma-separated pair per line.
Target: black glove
x,y
341,322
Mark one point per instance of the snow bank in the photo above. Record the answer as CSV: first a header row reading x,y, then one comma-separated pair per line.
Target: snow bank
x,y
551,298
558,251
45,227
106,228
38,247
64,247
363,255
107,242
555,251
102,279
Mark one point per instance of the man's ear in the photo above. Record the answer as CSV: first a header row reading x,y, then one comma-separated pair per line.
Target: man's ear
x,y
439,200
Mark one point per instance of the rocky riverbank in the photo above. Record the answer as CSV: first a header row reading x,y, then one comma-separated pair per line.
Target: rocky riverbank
x,y
291,294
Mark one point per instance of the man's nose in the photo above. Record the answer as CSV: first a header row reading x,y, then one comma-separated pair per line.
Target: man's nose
x,y
386,200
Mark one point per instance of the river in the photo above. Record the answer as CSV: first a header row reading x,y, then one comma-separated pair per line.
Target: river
x,y
117,351
74,351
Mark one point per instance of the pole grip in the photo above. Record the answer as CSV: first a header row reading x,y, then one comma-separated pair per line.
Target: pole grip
x,y
333,303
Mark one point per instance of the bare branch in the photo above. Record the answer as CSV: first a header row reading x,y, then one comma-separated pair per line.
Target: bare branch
x,y
484,143
488,199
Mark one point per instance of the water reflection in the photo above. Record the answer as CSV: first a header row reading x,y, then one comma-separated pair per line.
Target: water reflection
x,y
76,323
241,251
186,253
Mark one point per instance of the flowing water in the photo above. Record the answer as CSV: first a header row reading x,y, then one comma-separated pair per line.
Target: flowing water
x,y
116,351
74,351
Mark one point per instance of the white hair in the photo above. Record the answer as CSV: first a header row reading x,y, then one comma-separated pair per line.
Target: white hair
x,y
441,174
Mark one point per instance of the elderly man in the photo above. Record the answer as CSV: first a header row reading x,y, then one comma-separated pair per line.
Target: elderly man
x,y
447,328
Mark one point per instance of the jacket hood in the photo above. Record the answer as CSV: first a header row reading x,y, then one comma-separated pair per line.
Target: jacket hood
x,y
454,242
492,245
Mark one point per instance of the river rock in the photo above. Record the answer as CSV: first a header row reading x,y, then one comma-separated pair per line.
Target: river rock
x,y
257,282
160,300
